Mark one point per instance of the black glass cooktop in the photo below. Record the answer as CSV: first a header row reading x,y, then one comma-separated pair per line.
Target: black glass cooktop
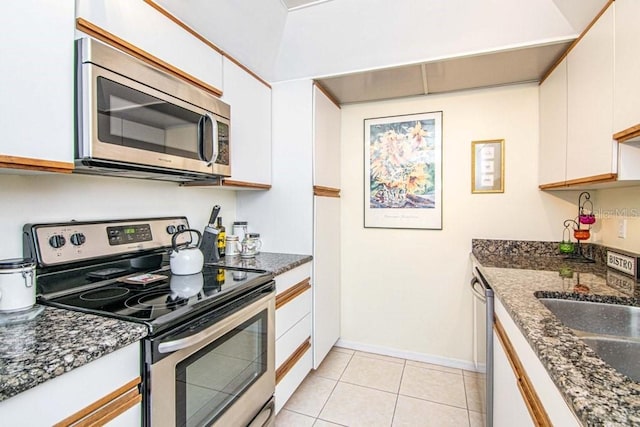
x,y
158,298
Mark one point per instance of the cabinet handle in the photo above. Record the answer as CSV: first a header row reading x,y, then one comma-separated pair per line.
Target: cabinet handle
x,y
532,401
293,292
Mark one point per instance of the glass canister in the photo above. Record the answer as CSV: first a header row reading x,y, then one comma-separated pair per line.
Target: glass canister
x,y
239,229
232,245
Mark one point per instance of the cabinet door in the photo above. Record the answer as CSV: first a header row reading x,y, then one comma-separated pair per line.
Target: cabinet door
x,y
553,126
326,281
326,141
144,27
36,80
509,408
250,134
590,148
627,65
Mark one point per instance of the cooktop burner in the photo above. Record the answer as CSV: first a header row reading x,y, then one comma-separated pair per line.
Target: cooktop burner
x,y
103,294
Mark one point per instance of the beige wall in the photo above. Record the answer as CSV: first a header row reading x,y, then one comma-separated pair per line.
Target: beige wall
x,y
406,291
613,205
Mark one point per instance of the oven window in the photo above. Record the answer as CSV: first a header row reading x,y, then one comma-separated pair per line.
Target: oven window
x,y
134,119
210,380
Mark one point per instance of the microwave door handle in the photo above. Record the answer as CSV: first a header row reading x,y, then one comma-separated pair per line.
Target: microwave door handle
x,y
214,139
202,138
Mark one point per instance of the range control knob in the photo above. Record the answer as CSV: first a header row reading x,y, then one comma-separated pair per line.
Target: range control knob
x,y
182,227
57,241
78,239
171,229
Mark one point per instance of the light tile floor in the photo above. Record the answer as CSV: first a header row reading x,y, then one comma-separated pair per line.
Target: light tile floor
x,y
353,388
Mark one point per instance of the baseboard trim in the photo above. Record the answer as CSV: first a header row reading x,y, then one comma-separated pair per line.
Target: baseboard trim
x,y
410,355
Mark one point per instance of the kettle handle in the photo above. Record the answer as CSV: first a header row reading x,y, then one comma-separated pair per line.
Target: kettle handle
x,y
175,237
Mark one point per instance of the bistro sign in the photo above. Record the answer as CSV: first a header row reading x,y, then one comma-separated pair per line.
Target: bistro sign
x,y
623,263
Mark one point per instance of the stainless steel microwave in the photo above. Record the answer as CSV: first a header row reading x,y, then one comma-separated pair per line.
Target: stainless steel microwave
x,y
137,121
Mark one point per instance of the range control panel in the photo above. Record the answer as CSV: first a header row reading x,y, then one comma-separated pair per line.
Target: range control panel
x,y
62,243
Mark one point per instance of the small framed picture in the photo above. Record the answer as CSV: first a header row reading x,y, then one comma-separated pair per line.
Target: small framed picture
x,y
487,166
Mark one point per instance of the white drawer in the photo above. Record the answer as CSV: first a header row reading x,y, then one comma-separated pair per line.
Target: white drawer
x,y
292,312
292,380
292,277
287,344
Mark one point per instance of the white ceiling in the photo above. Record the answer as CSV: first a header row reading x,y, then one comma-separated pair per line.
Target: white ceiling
x,y
292,39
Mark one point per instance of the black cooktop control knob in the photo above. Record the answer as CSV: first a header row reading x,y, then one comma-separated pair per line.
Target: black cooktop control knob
x,y
182,227
57,241
171,229
78,239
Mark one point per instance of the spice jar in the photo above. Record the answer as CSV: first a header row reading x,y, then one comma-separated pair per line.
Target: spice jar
x,y
232,245
239,229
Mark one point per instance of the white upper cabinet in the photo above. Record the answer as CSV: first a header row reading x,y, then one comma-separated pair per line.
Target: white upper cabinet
x,y
141,25
36,83
590,147
250,134
627,65
326,149
553,126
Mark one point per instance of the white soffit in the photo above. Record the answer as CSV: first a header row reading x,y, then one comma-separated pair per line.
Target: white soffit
x,y
298,4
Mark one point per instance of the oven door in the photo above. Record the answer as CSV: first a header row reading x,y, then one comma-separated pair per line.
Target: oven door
x,y
221,375
126,122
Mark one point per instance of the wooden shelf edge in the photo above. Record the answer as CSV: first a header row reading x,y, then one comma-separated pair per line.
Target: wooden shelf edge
x,y
596,179
200,37
319,190
627,134
26,163
120,44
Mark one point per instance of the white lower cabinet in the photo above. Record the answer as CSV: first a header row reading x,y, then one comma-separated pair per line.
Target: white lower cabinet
x,y
294,357
104,391
523,392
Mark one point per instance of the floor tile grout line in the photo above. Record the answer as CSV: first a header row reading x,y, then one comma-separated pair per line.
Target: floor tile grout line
x,y
395,406
434,401
333,389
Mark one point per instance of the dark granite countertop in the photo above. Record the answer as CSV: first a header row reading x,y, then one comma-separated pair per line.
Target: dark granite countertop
x,y
598,394
272,262
56,342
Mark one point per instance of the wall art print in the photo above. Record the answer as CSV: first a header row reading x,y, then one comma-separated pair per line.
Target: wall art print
x,y
403,171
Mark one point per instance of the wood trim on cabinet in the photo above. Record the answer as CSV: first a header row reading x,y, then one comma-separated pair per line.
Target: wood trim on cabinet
x,y
26,163
245,184
321,191
115,41
327,94
627,134
595,179
575,42
293,292
532,401
288,364
106,408
200,37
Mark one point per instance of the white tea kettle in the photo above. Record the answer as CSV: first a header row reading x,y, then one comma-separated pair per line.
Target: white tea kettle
x,y
186,258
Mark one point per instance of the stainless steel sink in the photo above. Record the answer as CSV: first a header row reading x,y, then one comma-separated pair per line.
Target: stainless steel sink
x,y
623,355
611,330
595,317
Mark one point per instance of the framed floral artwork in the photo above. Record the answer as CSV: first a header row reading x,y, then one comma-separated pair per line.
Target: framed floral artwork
x,y
403,171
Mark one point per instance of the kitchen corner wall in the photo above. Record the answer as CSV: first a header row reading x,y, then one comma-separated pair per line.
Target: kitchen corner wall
x,y
58,197
407,292
611,206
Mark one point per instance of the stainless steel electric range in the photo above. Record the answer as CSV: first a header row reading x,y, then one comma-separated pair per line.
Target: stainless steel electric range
x,y
209,356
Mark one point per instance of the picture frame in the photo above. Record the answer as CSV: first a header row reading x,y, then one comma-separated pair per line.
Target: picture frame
x,y
487,166
403,171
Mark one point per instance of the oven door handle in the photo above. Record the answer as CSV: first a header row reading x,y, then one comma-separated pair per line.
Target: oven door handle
x,y
175,345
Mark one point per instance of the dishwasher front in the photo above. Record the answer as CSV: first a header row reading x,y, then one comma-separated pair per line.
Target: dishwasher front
x,y
483,337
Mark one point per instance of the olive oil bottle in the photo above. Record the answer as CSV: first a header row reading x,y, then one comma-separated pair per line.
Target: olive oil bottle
x,y
222,237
